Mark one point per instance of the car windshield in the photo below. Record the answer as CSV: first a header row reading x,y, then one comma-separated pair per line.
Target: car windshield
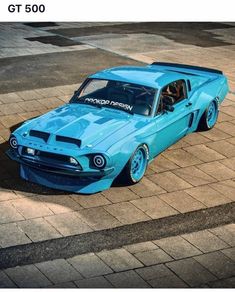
x,y
125,96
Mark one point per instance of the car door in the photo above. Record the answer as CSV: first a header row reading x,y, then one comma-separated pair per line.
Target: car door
x,y
171,126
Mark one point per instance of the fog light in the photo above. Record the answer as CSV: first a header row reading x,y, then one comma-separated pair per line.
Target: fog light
x,y
99,161
13,142
73,161
30,151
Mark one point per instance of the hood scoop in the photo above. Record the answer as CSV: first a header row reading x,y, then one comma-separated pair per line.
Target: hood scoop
x,y
102,121
39,134
68,140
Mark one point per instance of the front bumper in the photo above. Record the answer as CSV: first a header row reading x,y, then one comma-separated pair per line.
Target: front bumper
x,y
56,169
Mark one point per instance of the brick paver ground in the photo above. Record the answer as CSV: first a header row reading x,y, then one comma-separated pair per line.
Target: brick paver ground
x,y
196,173
179,261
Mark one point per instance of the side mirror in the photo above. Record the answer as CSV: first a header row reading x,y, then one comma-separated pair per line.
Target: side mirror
x,y
169,108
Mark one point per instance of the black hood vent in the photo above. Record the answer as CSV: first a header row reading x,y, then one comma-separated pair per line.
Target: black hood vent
x,y
42,135
69,140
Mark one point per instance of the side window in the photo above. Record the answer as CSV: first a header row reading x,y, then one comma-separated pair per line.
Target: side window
x,y
177,90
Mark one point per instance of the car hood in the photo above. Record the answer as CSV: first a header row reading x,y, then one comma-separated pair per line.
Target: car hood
x,y
89,125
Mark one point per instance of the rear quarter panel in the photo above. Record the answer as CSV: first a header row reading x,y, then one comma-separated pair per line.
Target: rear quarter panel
x,y
204,94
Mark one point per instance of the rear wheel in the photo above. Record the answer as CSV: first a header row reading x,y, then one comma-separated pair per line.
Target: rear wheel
x,y
136,166
209,117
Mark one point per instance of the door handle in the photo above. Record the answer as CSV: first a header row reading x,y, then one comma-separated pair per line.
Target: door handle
x,y
188,104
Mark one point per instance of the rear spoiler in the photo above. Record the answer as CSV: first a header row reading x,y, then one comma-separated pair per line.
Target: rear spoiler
x,y
198,68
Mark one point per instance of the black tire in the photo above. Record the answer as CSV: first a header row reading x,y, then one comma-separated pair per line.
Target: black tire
x,y
126,174
203,124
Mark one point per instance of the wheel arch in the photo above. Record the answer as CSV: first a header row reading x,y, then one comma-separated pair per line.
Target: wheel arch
x,y
128,150
126,172
216,99
131,148
203,123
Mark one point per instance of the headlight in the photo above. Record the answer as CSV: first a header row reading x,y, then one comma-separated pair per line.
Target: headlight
x,y
73,161
30,151
13,142
99,161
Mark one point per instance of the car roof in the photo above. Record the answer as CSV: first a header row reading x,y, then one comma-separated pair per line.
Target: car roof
x,y
147,76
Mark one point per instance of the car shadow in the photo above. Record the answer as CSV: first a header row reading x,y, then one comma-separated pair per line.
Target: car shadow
x,y
10,177
11,180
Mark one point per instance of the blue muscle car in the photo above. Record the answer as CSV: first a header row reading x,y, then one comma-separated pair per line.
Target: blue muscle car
x,y
115,124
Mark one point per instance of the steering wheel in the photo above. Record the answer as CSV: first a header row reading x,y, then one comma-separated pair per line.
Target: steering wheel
x,y
143,103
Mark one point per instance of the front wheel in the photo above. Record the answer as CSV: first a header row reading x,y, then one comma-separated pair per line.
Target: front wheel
x,y
209,117
136,166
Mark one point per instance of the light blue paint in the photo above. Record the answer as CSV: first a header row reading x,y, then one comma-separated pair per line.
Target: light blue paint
x,y
138,164
212,114
114,133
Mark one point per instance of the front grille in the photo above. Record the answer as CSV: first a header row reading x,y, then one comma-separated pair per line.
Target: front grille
x,y
53,158
42,135
68,140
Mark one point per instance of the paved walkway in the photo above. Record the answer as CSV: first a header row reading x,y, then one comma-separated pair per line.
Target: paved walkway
x,y
196,173
200,259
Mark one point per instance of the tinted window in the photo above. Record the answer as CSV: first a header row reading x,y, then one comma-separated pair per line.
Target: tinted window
x,y
176,90
126,96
